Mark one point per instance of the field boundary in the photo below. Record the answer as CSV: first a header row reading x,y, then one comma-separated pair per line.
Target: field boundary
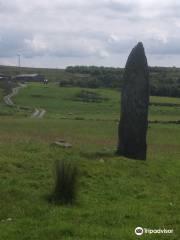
x,y
117,121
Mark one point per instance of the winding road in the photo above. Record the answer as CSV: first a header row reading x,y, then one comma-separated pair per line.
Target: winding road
x,y
38,113
7,99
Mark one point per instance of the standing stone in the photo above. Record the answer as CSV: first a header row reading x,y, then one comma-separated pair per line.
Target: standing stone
x,y
134,106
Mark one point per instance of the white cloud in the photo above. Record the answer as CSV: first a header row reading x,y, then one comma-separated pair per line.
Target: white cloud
x,y
37,44
82,30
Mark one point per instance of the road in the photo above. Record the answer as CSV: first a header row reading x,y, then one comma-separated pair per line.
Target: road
x,y
7,99
38,113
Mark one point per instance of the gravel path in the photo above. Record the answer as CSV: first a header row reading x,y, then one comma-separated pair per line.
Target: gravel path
x,y
38,113
7,99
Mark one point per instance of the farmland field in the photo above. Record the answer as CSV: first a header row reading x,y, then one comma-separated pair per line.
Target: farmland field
x,y
61,102
116,194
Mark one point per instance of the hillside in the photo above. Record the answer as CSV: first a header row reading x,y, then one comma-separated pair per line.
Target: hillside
x,y
163,81
50,74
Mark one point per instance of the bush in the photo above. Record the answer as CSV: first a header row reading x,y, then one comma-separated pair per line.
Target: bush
x,y
88,96
65,190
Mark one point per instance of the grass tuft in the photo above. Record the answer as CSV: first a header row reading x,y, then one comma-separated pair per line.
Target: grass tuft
x,y
66,176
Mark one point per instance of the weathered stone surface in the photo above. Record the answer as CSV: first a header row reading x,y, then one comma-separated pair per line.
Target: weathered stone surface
x,y
134,106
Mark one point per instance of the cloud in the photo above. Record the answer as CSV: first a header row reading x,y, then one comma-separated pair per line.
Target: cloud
x,y
170,47
100,30
12,42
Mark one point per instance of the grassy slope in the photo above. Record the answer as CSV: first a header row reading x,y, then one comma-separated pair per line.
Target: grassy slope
x,y
115,196
59,103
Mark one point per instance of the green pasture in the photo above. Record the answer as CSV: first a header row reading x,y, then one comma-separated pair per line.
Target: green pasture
x,y
115,195
60,102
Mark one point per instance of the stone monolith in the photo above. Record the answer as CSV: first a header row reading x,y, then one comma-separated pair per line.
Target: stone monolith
x,y
134,106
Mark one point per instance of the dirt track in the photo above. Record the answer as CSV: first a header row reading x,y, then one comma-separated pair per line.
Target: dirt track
x,y
7,99
38,113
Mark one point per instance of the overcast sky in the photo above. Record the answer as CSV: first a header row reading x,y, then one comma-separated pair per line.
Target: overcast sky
x,y
57,33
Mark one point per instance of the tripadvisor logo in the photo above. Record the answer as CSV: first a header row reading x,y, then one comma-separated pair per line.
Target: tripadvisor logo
x,y
139,231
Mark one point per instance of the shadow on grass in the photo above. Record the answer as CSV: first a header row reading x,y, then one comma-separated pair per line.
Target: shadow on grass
x,y
105,153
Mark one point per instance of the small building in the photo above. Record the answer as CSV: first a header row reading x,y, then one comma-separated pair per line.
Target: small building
x,y
4,78
29,78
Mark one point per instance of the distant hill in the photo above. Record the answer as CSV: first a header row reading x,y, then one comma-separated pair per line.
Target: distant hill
x,y
164,81
49,73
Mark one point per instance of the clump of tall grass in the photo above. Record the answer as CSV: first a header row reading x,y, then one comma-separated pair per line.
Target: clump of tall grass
x,y
66,176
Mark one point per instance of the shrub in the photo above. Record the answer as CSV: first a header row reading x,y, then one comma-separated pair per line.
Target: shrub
x,y
65,190
89,96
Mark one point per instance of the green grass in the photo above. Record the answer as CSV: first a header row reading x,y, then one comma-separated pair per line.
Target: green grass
x,y
59,103
115,194
165,100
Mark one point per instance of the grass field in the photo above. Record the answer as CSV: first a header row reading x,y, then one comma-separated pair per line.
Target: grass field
x,y
116,194
60,103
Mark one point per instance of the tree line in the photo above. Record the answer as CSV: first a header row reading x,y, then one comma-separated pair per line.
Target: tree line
x,y
164,81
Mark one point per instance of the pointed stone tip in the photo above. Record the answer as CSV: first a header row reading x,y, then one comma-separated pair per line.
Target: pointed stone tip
x,y
140,44
139,47
137,58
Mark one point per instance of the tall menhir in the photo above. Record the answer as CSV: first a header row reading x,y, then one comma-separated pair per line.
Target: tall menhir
x,y
134,106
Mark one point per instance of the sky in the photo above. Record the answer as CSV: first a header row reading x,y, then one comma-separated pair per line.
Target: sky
x,y
59,33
